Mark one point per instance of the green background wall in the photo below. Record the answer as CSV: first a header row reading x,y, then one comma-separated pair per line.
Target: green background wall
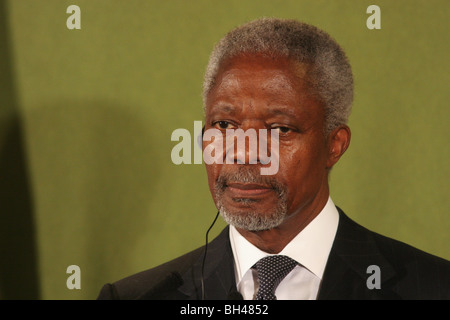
x,y
86,176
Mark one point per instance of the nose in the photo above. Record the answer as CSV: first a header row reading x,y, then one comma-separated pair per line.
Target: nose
x,y
246,147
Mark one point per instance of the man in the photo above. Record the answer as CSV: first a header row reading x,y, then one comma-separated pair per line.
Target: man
x,y
286,239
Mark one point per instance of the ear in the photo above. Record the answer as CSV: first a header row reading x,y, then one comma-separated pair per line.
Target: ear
x,y
338,142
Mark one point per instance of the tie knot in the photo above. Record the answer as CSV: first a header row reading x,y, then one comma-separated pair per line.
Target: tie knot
x,y
271,271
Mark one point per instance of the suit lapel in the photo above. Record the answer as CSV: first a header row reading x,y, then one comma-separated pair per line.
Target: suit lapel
x,y
346,274
219,279
345,277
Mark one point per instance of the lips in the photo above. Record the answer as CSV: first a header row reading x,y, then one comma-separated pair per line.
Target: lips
x,y
248,190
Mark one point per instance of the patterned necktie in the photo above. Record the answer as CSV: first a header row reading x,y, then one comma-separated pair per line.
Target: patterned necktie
x,y
271,271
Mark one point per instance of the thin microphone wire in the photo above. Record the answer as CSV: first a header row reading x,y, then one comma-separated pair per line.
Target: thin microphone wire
x,y
204,255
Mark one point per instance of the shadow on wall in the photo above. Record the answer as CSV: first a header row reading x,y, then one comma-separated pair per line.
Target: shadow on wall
x,y
19,265
96,169
18,253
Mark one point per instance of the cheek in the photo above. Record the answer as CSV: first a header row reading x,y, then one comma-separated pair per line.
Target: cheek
x,y
305,155
302,169
212,171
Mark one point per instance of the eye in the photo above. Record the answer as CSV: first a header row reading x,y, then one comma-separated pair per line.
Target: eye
x,y
283,129
223,125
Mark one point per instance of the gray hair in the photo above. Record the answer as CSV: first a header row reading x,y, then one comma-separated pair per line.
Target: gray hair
x,y
329,73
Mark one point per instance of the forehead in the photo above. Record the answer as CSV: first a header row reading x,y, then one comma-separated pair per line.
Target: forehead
x,y
267,81
261,80
270,71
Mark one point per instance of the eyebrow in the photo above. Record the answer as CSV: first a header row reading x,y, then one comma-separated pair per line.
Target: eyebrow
x,y
224,107
276,110
283,111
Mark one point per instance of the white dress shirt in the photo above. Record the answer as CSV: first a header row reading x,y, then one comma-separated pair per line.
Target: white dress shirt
x,y
310,248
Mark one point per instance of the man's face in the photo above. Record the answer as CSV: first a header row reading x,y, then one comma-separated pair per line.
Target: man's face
x,y
256,92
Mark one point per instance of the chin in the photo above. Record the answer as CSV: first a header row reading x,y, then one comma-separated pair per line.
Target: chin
x,y
250,219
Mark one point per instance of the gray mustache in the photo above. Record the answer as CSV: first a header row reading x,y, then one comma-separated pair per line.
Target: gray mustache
x,y
249,175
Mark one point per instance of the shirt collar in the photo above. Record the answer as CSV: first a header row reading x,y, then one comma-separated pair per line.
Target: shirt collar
x,y
310,248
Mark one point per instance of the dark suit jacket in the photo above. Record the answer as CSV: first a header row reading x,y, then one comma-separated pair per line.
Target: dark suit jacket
x,y
406,272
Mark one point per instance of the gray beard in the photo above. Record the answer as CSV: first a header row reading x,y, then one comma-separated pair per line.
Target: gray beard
x,y
247,219
253,221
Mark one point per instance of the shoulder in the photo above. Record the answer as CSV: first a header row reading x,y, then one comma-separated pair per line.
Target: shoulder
x,y
399,252
406,257
420,275
414,274
142,284
172,280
